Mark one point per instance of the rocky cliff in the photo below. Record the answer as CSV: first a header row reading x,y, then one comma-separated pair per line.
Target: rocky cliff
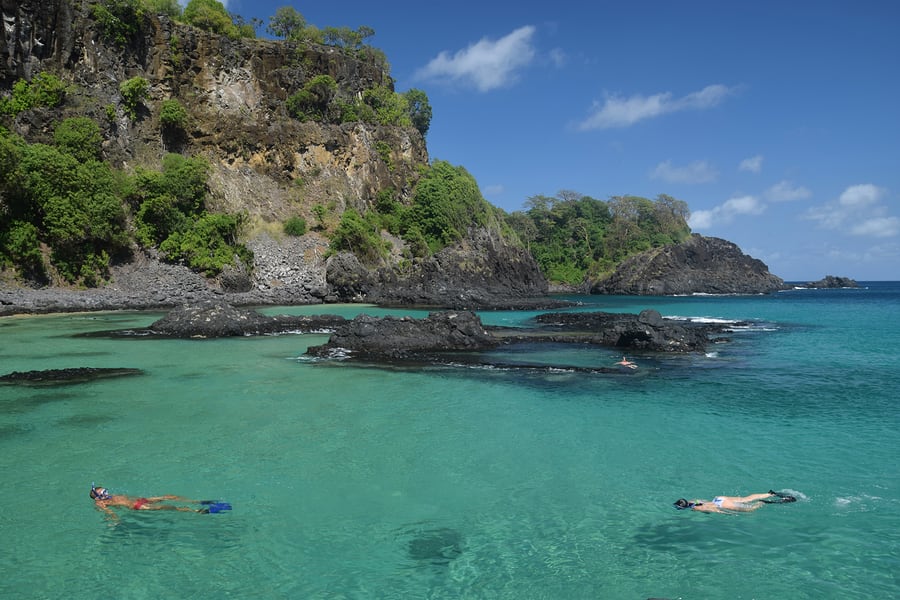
x,y
700,265
265,164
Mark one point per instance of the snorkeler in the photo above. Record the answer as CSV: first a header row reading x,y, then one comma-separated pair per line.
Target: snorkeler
x,y
106,501
627,363
732,504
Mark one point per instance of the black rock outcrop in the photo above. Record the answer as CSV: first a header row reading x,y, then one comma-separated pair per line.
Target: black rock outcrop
x,y
699,265
216,319
457,332
404,337
66,376
648,331
831,281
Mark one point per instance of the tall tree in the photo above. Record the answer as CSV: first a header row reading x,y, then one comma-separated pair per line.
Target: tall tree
x,y
286,23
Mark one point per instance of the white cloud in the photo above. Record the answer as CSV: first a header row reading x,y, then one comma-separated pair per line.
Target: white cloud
x,y
726,212
858,211
493,190
879,227
861,195
558,57
698,171
616,111
487,64
752,164
785,191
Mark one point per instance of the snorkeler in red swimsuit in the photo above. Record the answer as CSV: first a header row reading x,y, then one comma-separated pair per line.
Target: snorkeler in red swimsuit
x,y
106,501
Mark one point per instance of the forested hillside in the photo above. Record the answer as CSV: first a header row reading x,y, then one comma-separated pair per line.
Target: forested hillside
x,y
577,238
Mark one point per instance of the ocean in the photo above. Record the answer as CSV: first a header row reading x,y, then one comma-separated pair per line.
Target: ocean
x,y
530,480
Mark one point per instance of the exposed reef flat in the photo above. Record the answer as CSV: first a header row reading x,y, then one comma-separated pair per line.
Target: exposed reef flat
x,y
65,376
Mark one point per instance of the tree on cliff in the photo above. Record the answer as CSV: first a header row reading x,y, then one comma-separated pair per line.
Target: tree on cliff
x,y
287,23
419,109
210,15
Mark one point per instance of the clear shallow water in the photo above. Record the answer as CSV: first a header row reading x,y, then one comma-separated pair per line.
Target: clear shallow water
x,y
448,482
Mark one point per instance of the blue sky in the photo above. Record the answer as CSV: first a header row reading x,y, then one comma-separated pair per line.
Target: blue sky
x,y
777,122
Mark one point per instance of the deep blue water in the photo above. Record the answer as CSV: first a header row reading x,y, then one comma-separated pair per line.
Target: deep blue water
x,y
351,481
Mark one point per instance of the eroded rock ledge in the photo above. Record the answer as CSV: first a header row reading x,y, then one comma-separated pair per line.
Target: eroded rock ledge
x,y
394,338
831,282
403,337
49,377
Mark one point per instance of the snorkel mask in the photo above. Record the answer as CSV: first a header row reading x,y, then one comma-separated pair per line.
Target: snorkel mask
x,y
100,493
682,504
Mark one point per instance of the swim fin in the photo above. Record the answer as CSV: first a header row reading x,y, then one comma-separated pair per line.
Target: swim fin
x,y
217,507
779,498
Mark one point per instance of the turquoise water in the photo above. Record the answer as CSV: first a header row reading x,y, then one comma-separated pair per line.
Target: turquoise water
x,y
351,481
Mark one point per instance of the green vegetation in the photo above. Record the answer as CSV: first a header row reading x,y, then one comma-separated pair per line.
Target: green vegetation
x,y
172,114
44,89
210,15
134,91
64,197
119,20
313,102
171,213
287,23
573,236
419,110
80,137
295,226
169,8
208,243
360,235
319,100
445,205
73,208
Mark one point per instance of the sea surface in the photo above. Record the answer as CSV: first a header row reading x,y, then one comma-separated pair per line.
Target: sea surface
x,y
456,481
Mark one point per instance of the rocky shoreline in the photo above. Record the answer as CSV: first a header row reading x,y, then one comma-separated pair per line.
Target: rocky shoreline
x,y
147,283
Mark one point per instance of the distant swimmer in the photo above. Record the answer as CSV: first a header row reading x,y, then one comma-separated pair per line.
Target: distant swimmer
x,y
106,501
732,504
627,363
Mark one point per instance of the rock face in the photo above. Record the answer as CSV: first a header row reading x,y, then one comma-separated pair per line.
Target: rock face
x,y
830,281
234,91
265,164
395,338
700,265
480,272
